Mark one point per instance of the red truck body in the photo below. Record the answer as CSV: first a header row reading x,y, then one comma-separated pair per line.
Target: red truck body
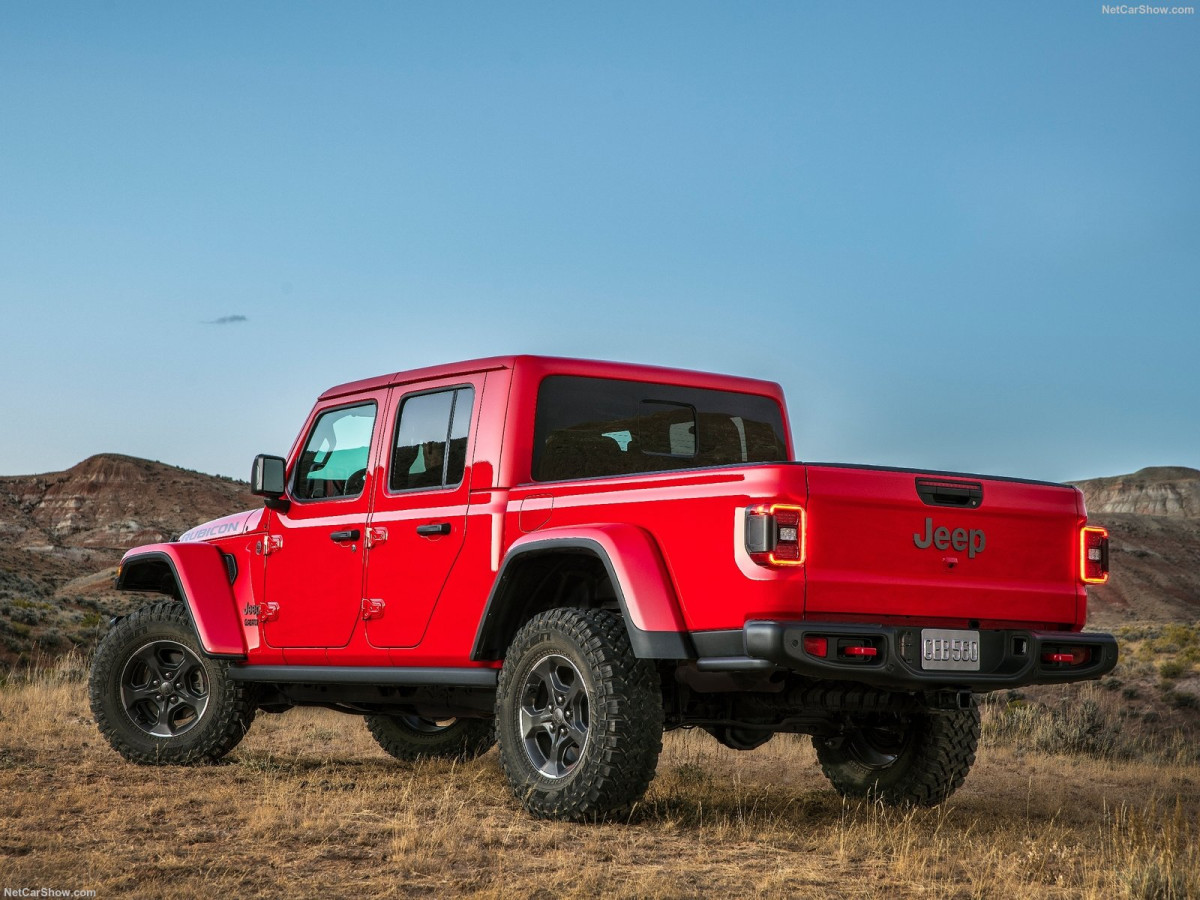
x,y
868,576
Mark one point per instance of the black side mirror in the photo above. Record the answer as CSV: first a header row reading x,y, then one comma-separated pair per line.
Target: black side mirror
x,y
267,479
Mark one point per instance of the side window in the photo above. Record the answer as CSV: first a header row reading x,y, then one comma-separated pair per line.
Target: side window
x,y
334,460
595,427
430,450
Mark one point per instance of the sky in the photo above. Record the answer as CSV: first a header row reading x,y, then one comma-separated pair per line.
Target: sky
x,y
962,236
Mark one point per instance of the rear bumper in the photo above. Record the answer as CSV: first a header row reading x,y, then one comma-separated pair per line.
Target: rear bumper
x,y
1007,658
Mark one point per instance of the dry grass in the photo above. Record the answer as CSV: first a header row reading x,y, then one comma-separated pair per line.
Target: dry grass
x,y
307,805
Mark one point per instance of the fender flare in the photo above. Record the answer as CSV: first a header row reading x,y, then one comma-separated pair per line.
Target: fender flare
x,y
639,577
196,575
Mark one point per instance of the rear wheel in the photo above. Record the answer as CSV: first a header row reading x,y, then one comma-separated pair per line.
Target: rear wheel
x,y
408,736
579,718
158,699
902,759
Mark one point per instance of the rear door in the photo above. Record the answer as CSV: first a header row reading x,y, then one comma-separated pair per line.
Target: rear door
x,y
419,520
902,544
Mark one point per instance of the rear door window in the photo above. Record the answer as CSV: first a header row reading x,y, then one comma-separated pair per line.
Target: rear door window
x,y
430,449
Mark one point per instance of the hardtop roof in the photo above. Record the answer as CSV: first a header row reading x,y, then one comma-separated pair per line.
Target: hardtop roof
x,y
556,365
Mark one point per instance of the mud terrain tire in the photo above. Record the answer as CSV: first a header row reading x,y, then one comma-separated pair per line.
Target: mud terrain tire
x,y
579,718
915,759
410,737
158,699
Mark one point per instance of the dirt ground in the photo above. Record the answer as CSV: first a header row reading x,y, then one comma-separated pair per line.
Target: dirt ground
x,y
308,806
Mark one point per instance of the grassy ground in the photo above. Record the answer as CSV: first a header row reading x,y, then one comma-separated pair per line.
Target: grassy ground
x,y
308,806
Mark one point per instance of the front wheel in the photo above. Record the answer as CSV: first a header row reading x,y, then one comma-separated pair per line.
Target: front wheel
x,y
410,737
579,718
158,699
911,759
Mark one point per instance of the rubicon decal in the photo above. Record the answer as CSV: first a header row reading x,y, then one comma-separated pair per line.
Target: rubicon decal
x,y
971,540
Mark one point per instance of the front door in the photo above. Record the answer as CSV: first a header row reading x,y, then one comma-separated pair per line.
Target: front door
x,y
419,518
314,572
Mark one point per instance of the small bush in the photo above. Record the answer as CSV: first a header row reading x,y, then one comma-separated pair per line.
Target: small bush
x,y
1182,699
1171,669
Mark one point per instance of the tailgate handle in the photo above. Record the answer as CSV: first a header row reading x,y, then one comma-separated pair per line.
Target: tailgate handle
x,y
934,492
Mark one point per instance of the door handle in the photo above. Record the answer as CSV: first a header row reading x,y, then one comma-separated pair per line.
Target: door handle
x,y
348,535
436,528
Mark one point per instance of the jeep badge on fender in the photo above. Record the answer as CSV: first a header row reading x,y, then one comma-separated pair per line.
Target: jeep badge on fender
x,y
973,540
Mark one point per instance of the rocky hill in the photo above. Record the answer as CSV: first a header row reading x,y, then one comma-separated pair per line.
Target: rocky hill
x,y
111,502
1153,518
1170,491
62,534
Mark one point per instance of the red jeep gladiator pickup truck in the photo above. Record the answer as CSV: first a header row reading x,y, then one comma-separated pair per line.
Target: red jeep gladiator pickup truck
x,y
565,557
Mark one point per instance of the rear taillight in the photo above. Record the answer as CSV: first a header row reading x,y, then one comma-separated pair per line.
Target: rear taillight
x,y
1093,555
775,534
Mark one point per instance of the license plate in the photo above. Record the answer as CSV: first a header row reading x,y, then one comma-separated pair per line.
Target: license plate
x,y
946,649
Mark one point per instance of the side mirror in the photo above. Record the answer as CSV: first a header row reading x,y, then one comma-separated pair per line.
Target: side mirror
x,y
267,479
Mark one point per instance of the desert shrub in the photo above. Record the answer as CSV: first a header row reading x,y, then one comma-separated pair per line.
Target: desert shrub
x,y
1082,728
1182,699
1136,632
1072,728
1170,669
26,615
1177,636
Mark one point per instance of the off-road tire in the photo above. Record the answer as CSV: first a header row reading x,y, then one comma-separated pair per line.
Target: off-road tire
x,y
410,737
911,759
610,711
160,639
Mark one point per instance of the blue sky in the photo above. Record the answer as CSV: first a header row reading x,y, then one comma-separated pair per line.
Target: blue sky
x,y
962,236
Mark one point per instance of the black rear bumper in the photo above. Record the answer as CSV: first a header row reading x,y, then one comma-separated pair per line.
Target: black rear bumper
x,y
1007,658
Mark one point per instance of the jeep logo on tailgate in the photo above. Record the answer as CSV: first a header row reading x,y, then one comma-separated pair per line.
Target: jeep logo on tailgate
x,y
973,540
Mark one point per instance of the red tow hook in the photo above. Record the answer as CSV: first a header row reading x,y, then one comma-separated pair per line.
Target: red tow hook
x,y
860,651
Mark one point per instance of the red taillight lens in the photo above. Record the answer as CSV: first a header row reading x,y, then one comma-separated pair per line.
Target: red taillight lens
x,y
816,646
775,534
1093,555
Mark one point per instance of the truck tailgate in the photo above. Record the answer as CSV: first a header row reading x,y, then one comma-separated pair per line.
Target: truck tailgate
x,y
891,544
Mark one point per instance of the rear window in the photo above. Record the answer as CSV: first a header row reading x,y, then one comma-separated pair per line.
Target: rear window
x,y
591,427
